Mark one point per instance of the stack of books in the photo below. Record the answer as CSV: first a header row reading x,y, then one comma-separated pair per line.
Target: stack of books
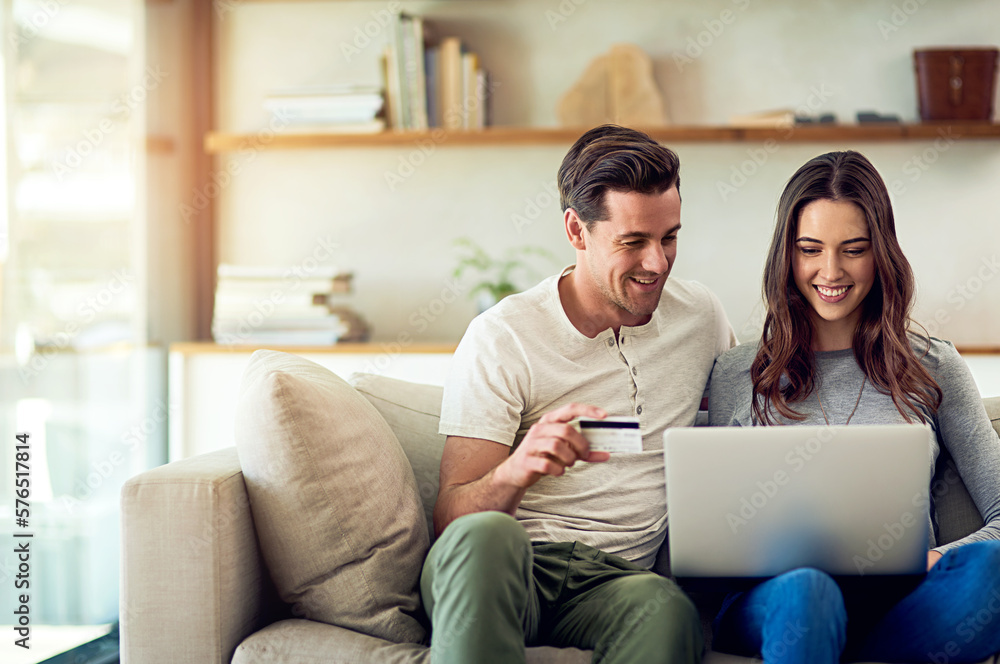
x,y
350,109
430,84
283,306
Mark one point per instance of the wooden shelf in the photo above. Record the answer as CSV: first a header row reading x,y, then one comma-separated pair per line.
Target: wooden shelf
x,y
217,142
202,347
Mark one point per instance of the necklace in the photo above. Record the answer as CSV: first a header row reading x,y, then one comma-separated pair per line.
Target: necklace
x,y
853,410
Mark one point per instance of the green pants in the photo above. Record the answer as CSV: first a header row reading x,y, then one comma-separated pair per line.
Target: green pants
x,y
489,592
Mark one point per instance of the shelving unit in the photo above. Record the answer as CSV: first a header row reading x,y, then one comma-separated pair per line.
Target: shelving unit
x,y
293,186
218,142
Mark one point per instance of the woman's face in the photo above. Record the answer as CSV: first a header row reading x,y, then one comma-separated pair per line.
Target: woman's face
x,y
833,264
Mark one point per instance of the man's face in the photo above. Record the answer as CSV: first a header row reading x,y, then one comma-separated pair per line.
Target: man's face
x,y
628,256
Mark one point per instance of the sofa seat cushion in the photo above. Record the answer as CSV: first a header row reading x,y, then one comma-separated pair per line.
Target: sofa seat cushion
x,y
308,642
333,499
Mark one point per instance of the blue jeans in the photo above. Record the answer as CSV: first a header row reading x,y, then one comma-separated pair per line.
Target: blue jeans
x,y
952,616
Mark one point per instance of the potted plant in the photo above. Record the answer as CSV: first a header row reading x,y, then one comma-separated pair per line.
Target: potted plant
x,y
498,277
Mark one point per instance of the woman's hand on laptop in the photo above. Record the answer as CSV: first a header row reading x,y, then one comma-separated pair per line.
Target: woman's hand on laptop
x,y
932,558
551,446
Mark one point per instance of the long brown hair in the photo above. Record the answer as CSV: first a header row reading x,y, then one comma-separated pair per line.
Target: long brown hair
x,y
882,342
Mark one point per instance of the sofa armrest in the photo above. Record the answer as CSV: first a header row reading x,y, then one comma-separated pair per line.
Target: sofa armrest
x,y
193,584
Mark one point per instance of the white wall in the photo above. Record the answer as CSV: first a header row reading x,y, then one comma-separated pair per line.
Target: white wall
x,y
848,55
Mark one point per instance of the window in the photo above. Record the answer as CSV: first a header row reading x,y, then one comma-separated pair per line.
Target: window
x,y
76,370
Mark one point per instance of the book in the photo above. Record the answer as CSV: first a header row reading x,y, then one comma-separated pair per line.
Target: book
x,y
450,82
394,98
398,50
431,65
414,34
486,99
281,337
328,104
234,299
232,324
279,272
370,127
470,80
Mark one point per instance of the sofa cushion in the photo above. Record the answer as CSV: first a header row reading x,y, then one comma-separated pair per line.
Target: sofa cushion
x,y
412,410
993,410
333,498
304,642
957,515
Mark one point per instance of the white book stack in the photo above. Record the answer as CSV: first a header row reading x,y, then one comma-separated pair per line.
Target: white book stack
x,y
282,306
346,109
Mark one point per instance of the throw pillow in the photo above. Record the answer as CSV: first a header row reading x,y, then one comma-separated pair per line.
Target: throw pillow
x,y
333,498
413,411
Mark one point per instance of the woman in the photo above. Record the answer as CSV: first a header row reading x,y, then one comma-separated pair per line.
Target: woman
x,y
838,348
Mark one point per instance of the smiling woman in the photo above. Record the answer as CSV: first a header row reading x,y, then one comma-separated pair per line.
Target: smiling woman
x,y
838,347
833,269
836,279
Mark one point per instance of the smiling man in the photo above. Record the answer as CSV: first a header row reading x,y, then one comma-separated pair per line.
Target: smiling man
x,y
541,540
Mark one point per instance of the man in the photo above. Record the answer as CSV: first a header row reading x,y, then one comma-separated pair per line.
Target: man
x,y
543,542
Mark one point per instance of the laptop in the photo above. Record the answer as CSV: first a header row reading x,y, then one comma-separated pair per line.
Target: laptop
x,y
747,503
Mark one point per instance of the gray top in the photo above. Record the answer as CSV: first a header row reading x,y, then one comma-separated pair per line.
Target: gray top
x,y
960,425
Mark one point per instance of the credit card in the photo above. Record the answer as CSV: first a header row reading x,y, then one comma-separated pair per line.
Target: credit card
x,y
616,434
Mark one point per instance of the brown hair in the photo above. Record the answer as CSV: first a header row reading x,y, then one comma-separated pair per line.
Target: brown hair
x,y
882,341
614,158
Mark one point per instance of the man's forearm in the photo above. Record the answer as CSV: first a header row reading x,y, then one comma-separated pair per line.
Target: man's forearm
x,y
487,494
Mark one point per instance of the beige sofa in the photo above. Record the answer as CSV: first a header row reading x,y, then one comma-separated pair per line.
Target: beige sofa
x,y
195,583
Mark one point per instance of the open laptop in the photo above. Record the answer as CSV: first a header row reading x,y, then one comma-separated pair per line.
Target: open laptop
x,y
745,503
